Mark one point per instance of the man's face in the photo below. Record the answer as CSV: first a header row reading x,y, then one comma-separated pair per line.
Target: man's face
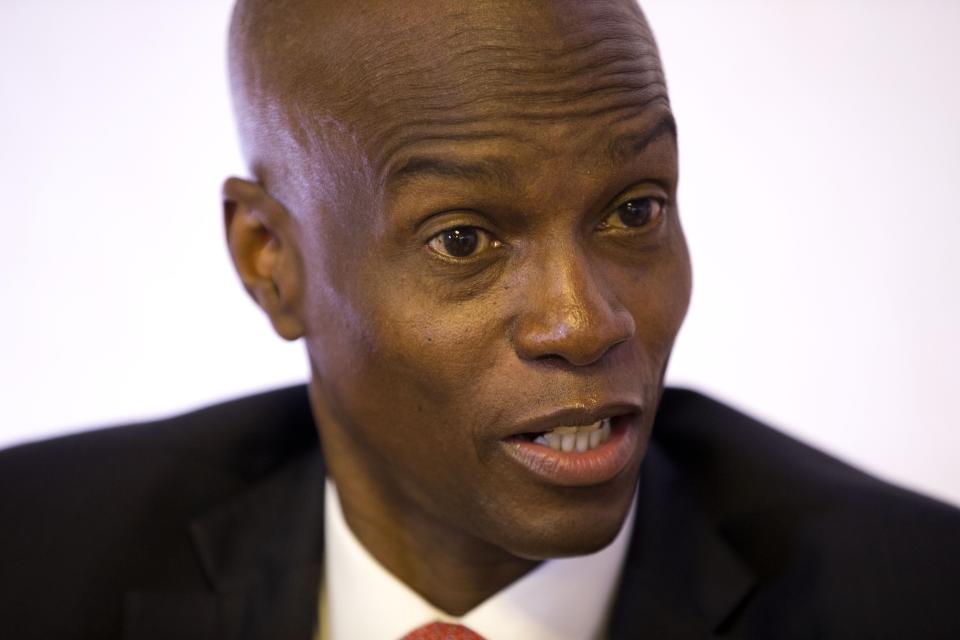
x,y
506,258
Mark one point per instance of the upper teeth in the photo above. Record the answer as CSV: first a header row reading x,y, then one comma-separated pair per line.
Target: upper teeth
x,y
575,438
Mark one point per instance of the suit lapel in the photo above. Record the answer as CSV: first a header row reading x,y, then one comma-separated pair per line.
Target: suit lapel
x,y
262,554
681,579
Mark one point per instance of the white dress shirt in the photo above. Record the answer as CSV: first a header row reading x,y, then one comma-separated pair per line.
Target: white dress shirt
x,y
562,599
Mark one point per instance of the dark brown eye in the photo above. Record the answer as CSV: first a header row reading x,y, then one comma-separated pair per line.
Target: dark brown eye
x,y
461,242
635,213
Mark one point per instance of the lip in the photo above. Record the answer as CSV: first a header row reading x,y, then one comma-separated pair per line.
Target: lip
x,y
573,416
574,468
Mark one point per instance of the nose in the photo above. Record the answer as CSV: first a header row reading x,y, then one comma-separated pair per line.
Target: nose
x,y
568,312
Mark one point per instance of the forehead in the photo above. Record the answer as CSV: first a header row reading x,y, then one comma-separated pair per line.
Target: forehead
x,y
519,160
442,74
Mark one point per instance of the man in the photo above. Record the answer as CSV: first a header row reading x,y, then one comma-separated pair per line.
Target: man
x,y
468,212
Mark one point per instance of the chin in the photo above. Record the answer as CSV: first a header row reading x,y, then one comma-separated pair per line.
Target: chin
x,y
578,529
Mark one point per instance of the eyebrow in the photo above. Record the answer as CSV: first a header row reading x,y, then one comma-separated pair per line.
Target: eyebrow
x,y
633,144
497,171
487,170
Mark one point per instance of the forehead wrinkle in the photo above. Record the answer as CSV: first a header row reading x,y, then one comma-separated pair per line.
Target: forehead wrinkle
x,y
511,68
517,92
511,57
571,88
639,113
397,59
393,140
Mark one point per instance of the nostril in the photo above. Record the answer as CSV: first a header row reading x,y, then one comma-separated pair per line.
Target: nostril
x,y
581,347
553,360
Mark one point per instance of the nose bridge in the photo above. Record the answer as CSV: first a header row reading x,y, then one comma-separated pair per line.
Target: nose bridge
x,y
567,309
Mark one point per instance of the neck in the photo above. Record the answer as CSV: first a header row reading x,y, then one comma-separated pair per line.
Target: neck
x,y
452,570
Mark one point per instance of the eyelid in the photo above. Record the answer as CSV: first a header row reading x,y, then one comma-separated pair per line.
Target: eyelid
x,y
642,192
441,221
446,219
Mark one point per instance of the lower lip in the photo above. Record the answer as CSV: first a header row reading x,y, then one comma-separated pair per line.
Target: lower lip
x,y
580,469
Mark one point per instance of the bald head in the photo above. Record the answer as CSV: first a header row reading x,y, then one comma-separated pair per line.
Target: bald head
x,y
315,80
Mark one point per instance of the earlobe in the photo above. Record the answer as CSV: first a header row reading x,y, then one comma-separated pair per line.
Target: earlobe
x,y
264,253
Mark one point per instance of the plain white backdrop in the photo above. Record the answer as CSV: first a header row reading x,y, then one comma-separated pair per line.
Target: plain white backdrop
x,y
820,164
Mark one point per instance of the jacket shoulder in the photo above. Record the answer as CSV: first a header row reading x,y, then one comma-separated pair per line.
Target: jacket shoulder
x,y
830,544
89,516
243,437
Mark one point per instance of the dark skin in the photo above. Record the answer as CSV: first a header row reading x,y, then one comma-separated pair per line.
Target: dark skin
x,y
468,212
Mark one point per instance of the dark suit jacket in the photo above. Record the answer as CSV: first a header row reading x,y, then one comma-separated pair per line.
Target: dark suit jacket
x,y
209,525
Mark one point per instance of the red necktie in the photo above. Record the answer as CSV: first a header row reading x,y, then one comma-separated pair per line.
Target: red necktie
x,y
442,631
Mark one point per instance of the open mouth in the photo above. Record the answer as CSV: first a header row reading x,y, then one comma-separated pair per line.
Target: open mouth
x,y
578,455
572,438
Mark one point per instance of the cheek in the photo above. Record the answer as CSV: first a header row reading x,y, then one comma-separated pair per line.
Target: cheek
x,y
439,351
392,349
404,381
676,285
658,298
666,290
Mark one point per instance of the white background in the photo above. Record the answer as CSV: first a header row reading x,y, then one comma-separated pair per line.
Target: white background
x,y
820,148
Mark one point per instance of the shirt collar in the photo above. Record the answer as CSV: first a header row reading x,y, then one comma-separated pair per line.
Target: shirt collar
x,y
562,599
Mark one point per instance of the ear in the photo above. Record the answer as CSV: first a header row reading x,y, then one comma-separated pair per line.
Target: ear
x,y
264,253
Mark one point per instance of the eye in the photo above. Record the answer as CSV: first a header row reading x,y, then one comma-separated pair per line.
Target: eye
x,y
462,242
635,214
